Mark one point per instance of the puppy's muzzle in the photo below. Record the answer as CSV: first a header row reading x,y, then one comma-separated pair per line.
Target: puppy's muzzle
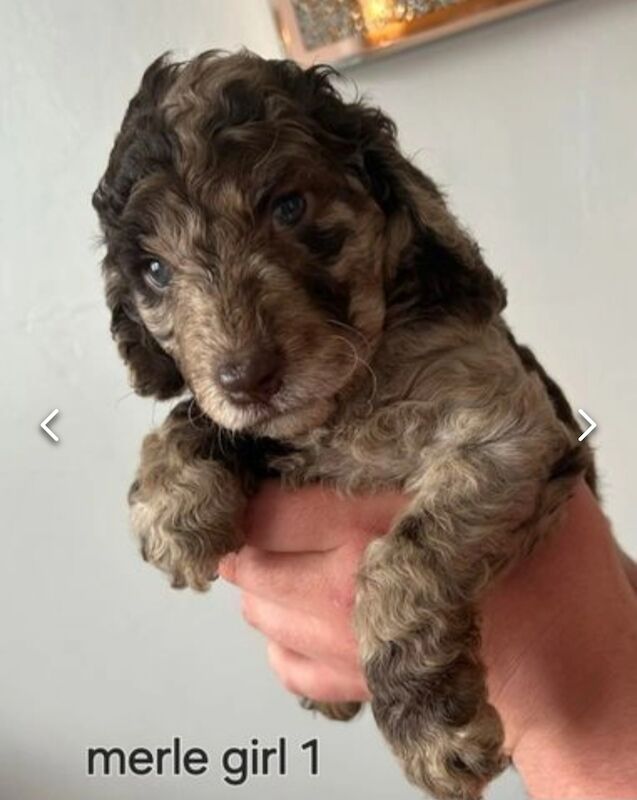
x,y
253,377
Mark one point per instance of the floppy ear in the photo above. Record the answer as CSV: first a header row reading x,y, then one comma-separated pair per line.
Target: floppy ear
x,y
142,145
152,371
438,260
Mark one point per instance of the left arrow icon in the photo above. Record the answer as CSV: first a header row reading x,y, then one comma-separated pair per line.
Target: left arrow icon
x,y
45,425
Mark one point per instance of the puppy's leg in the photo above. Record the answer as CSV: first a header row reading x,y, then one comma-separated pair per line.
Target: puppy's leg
x,y
477,509
420,649
184,503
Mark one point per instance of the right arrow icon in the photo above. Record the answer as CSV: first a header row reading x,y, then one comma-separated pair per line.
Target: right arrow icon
x,y
591,424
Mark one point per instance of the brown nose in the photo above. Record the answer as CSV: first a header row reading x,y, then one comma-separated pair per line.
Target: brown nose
x,y
253,377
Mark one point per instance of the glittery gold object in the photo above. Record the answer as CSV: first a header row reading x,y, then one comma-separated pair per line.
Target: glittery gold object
x,y
327,22
322,23
340,31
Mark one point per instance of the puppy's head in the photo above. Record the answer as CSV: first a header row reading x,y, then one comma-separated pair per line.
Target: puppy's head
x,y
257,226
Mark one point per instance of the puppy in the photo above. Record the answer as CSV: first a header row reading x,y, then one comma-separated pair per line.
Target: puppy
x,y
273,256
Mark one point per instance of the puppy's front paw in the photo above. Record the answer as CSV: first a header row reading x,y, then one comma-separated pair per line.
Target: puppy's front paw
x,y
463,760
185,515
184,530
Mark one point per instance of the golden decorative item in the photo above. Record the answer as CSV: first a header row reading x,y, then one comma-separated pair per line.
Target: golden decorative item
x,y
346,31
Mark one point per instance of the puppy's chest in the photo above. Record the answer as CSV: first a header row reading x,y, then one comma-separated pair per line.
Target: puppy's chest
x,y
417,405
369,446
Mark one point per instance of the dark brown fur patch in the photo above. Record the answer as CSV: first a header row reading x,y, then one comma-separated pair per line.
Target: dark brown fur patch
x,y
324,243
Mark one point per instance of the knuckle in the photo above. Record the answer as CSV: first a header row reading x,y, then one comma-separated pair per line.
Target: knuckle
x,y
319,687
343,598
275,657
289,683
281,668
248,611
343,588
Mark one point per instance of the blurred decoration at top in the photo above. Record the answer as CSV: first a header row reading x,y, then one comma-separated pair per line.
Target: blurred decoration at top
x,y
348,31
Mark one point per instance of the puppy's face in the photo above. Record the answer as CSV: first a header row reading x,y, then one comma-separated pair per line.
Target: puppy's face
x,y
263,283
249,251
257,226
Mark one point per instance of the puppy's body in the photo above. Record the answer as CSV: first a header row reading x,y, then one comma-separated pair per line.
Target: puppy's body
x,y
382,361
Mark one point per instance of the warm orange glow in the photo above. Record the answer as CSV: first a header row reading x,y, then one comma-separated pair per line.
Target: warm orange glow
x,y
380,21
286,36
380,25
377,13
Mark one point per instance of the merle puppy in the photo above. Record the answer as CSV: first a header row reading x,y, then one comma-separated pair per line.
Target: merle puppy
x,y
273,256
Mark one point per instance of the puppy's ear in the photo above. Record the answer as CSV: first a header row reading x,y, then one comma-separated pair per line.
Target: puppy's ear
x,y
152,371
142,146
437,258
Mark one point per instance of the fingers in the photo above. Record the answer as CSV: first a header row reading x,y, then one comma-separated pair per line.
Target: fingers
x,y
316,583
297,571
315,518
309,678
286,521
331,641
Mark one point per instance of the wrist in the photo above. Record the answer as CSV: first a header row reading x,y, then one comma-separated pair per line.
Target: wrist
x,y
560,643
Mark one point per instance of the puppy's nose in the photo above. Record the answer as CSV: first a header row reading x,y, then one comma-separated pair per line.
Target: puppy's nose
x,y
252,377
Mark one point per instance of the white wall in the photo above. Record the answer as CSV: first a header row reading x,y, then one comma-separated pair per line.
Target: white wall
x,y
530,124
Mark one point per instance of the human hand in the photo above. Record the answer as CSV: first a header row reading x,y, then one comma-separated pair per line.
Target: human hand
x,y
297,573
559,630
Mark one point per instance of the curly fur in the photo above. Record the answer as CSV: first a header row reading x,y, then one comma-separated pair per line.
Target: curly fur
x,y
399,372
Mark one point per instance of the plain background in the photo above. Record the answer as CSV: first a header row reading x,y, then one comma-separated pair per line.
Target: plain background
x,y
531,126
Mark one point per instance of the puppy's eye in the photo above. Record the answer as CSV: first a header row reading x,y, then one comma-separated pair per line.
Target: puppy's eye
x,y
288,209
157,274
